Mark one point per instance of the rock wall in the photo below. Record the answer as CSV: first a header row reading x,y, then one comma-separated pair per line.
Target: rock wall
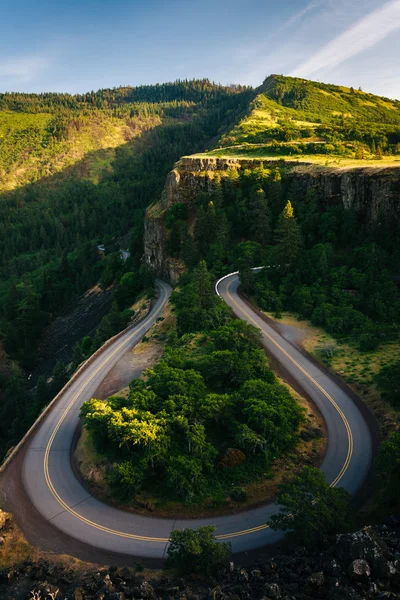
x,y
374,193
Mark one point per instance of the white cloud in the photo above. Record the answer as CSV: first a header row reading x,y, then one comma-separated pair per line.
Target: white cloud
x,y
310,7
22,69
367,32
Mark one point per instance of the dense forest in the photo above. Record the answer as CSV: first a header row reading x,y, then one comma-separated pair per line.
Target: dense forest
x,y
324,263
50,228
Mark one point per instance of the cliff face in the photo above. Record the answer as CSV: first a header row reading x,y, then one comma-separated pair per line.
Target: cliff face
x,y
373,193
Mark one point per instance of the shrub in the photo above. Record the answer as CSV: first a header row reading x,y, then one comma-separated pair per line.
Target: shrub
x,y
239,494
192,551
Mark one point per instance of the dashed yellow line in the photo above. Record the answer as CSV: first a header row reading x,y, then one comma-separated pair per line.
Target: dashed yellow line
x,y
159,539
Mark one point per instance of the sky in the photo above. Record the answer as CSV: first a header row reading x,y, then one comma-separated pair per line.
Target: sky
x,y
82,45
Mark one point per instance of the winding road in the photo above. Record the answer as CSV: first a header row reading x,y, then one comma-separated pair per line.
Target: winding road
x,y
53,489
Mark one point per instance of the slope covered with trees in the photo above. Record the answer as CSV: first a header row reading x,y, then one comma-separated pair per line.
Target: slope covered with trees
x,y
324,263
81,193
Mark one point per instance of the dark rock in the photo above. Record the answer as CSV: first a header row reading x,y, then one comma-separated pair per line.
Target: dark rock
x,y
359,570
316,579
344,593
147,590
243,576
384,568
79,594
255,574
333,569
365,544
273,591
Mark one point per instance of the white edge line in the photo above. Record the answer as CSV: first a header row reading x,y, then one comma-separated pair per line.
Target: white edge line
x,y
230,275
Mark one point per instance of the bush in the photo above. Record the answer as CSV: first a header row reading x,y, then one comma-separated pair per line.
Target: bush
x,y
388,380
125,481
196,551
239,494
388,472
367,342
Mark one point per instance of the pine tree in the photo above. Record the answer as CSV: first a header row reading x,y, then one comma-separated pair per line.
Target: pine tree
x,y
246,274
288,238
188,250
60,378
259,218
203,284
275,191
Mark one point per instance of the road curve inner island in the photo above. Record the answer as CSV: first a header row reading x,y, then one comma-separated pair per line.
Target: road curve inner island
x,y
56,493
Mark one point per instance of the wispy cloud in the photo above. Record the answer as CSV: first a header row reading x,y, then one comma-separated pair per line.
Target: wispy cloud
x,y
367,32
24,68
310,7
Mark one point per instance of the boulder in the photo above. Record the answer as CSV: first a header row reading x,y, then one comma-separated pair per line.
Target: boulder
x,y
359,570
365,544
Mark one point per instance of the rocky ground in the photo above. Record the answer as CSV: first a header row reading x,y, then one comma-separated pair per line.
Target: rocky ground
x,y
357,566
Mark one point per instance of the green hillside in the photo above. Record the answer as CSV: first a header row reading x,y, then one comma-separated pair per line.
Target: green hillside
x,y
77,171
42,134
296,118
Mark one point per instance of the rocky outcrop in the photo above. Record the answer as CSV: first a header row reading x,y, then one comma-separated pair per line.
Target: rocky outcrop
x,y
295,574
373,193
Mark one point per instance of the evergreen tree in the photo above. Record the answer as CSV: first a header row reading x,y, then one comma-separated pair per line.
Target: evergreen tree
x,y
275,191
246,274
59,378
288,238
259,218
42,393
188,250
202,280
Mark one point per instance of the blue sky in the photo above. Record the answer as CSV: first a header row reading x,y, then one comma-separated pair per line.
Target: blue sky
x,y
77,46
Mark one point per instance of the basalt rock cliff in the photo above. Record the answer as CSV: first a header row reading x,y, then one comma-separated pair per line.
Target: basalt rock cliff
x,y
373,193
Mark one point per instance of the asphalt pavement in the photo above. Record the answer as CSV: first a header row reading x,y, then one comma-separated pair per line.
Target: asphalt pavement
x,y
67,506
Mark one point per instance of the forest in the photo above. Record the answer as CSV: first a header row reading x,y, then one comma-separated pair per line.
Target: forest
x,y
323,263
50,228
211,402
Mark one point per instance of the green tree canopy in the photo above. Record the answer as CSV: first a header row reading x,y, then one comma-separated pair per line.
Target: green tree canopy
x,y
309,508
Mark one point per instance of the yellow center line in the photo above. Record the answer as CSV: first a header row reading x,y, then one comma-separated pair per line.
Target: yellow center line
x,y
317,385
158,539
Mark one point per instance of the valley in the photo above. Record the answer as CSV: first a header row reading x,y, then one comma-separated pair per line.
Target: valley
x,y
195,181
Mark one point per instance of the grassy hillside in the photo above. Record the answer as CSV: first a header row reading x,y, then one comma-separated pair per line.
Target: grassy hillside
x,y
299,118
